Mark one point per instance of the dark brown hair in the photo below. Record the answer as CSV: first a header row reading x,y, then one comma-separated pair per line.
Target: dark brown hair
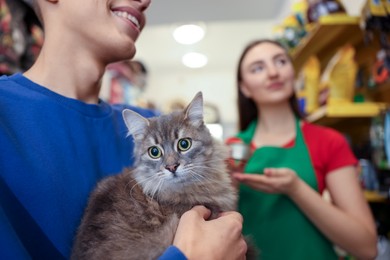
x,y
247,109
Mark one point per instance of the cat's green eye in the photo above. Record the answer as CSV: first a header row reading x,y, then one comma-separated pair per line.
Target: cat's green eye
x,y
184,144
154,152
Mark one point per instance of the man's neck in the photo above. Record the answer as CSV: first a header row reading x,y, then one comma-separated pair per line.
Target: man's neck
x,y
76,76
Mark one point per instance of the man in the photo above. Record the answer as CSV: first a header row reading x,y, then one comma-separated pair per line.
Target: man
x,y
58,138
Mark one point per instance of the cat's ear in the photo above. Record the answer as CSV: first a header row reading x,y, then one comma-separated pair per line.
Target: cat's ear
x,y
194,111
136,124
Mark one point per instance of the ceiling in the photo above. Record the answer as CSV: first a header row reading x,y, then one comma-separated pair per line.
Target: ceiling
x,y
229,25
174,11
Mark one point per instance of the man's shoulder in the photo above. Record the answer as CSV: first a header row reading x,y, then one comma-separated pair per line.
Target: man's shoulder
x,y
10,89
7,79
142,111
12,84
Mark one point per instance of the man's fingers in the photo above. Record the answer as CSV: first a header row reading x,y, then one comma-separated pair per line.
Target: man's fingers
x,y
202,211
234,214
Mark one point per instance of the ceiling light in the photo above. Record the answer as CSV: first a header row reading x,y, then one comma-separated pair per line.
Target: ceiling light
x,y
194,60
188,34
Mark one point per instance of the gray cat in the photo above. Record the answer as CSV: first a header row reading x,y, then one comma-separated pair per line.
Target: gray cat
x,y
134,215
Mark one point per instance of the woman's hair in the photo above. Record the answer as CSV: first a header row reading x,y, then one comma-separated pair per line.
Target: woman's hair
x,y
247,109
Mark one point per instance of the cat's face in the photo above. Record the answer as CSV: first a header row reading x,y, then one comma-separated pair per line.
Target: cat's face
x,y
170,155
174,151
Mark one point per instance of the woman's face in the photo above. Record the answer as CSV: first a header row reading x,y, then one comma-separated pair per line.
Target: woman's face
x,y
267,74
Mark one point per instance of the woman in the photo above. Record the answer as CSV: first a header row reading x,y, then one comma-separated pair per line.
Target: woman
x,y
291,164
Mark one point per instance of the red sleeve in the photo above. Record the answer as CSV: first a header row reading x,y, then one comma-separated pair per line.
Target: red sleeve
x,y
329,150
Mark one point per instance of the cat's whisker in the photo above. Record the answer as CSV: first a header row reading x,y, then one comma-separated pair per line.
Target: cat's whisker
x,y
143,181
204,187
214,160
130,183
200,176
206,168
149,186
204,179
196,176
139,183
157,187
203,167
210,163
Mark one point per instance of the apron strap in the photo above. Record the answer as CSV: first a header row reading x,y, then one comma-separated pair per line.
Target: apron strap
x,y
247,135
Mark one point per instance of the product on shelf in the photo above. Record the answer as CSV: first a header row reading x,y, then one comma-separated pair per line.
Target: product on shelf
x,y
318,8
311,74
340,75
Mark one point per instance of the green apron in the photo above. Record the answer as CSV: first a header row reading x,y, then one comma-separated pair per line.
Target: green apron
x,y
278,227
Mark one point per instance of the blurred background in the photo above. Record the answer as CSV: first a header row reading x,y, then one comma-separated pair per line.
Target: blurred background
x,y
340,50
228,27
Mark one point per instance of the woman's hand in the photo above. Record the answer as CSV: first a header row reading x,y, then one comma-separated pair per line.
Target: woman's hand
x,y
274,180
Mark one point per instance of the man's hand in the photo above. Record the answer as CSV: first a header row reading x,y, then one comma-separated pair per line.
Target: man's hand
x,y
221,238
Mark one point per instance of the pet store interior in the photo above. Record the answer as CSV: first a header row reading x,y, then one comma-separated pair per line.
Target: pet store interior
x,y
340,51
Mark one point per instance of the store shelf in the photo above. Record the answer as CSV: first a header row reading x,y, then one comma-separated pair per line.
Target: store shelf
x,y
346,110
381,92
325,37
373,196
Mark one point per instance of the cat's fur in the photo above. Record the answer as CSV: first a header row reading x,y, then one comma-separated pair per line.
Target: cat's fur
x,y
134,215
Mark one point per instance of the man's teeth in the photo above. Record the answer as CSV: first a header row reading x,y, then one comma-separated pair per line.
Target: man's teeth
x,y
128,16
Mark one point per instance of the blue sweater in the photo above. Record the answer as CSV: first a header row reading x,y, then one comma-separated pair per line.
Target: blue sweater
x,y
53,151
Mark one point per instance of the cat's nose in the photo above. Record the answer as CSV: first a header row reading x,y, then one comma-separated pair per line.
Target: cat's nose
x,y
172,168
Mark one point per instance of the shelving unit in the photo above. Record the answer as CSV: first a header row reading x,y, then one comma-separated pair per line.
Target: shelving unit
x,y
326,37
326,114
373,196
323,40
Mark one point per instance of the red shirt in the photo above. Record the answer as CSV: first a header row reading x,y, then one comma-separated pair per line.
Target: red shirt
x,y
328,149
